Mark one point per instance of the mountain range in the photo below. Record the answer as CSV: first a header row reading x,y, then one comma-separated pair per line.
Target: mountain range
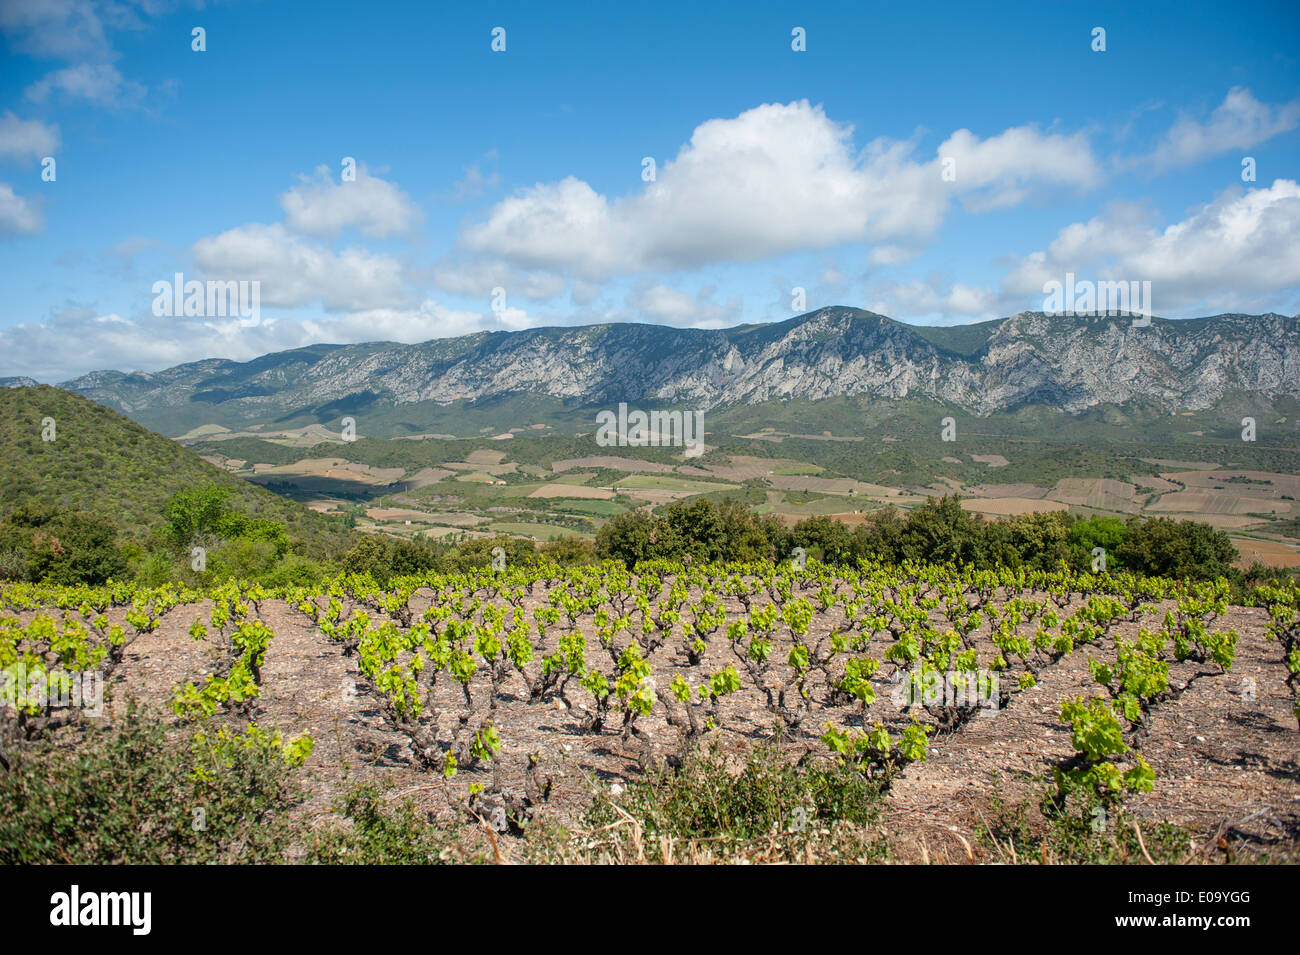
x,y
1069,363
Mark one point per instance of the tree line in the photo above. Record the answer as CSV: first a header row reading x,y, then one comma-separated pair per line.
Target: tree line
x,y
940,531
38,542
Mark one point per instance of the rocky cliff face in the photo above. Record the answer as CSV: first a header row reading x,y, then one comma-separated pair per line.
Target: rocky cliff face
x,y
1071,363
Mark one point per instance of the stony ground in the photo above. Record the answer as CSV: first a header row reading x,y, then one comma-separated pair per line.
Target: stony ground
x,y
1226,750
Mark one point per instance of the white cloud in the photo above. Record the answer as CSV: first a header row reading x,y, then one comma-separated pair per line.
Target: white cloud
x,y
480,277
1239,122
659,303
932,299
584,293
891,255
514,319
97,83
775,179
126,250
1003,170
559,225
475,182
539,286
294,272
322,207
429,320
59,28
1238,251
79,340
833,279
18,215
79,32
26,138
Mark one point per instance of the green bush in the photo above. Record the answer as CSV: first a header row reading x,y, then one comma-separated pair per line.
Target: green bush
x,y
1104,532
241,559
940,531
381,834
13,563
195,514
190,801
1176,549
702,530
294,571
769,804
1083,831
156,569
64,548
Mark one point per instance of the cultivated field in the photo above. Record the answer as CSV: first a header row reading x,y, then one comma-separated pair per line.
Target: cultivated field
x,y
520,697
485,480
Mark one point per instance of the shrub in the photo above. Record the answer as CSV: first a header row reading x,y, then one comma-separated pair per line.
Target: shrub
x,y
1176,549
769,805
13,563
155,569
242,559
198,799
381,834
79,548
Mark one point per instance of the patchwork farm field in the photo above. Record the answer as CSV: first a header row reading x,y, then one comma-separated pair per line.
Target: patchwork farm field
x,y
545,712
521,488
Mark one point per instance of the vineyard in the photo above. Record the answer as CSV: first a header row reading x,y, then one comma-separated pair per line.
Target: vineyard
x,y
505,701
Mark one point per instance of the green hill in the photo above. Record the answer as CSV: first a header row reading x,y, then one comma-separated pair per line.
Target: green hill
x,y
103,462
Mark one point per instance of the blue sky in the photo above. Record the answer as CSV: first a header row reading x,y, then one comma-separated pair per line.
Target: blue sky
x,y
522,171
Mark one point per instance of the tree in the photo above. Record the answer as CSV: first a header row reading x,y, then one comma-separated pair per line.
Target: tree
x,y
880,536
628,537
477,554
693,528
79,548
825,538
1183,549
194,515
1040,540
371,555
1104,532
748,536
242,559
568,550
232,525
941,532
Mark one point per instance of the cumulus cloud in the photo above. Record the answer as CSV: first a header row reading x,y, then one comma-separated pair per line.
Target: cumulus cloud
x,y
99,83
775,179
430,319
63,28
932,298
480,277
78,340
1236,251
294,272
891,255
26,138
1002,170
374,206
669,306
1239,122
18,216
79,32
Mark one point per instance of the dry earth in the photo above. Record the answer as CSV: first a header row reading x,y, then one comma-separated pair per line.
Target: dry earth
x,y
1225,750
